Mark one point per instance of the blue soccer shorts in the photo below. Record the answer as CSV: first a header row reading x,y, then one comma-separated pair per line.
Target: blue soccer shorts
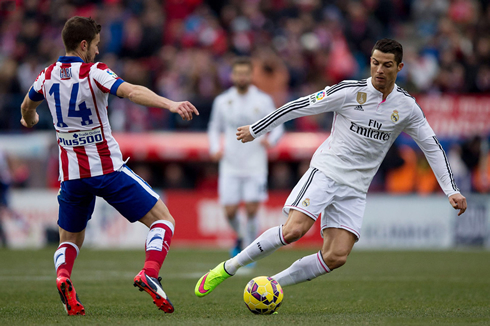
x,y
123,189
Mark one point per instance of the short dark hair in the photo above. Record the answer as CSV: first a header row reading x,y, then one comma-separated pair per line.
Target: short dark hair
x,y
242,61
387,45
78,29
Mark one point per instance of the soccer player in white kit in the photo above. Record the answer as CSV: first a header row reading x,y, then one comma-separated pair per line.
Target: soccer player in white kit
x,y
368,116
77,90
242,167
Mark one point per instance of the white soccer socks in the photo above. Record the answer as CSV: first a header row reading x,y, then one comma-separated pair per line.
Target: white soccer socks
x,y
304,269
264,245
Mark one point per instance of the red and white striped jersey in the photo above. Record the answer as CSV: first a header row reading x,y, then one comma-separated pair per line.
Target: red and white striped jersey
x,y
77,95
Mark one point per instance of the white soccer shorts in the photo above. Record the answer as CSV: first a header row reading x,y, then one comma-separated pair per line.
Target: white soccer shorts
x,y
235,189
341,206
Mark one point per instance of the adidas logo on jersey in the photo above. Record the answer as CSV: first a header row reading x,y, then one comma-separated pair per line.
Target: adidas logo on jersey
x,y
359,108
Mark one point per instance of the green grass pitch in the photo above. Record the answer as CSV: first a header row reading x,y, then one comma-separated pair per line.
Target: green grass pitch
x,y
373,288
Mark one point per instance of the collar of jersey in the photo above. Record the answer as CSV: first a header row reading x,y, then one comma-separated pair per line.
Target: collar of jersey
x,y
69,59
251,89
374,90
371,87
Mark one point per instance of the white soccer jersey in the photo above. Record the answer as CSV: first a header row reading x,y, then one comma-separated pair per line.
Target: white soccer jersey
x,y
230,111
77,95
364,127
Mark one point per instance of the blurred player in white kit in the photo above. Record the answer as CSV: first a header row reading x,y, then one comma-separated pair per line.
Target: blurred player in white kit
x,y
369,115
242,167
76,89
5,180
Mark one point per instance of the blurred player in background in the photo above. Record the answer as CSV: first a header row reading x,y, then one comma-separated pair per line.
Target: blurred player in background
x,y
91,164
242,167
5,180
368,116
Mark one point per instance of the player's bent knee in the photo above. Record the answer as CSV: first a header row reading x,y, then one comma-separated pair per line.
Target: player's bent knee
x,y
292,234
162,212
296,226
334,260
169,218
166,216
157,213
148,220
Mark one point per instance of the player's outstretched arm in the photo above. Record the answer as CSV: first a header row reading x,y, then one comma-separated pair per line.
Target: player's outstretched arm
x,y
28,110
458,201
243,134
144,96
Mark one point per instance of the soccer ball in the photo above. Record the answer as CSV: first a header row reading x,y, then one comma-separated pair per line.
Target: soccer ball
x,y
263,295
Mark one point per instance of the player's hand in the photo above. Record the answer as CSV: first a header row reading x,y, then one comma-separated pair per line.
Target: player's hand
x,y
31,122
458,201
243,134
185,109
216,157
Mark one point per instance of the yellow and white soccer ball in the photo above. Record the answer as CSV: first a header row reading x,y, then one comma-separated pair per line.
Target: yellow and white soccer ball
x,y
263,295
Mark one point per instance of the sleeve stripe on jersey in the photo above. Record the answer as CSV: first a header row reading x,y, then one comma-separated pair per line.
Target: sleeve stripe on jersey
x,y
404,92
343,85
333,87
276,112
262,124
116,85
305,187
336,87
453,183
331,91
35,96
300,104
420,109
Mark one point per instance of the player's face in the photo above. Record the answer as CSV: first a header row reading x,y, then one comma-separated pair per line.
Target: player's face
x,y
93,49
241,76
384,70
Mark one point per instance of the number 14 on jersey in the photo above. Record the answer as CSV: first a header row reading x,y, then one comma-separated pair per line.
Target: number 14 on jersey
x,y
83,111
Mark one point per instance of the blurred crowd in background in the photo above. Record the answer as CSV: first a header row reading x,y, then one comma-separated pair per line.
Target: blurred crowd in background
x,y
183,50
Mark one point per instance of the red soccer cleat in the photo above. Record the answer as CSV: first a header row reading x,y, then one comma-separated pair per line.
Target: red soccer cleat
x,y
69,297
153,287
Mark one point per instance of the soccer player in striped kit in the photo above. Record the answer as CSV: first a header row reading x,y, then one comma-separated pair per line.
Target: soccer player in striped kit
x,y
368,116
242,167
77,90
